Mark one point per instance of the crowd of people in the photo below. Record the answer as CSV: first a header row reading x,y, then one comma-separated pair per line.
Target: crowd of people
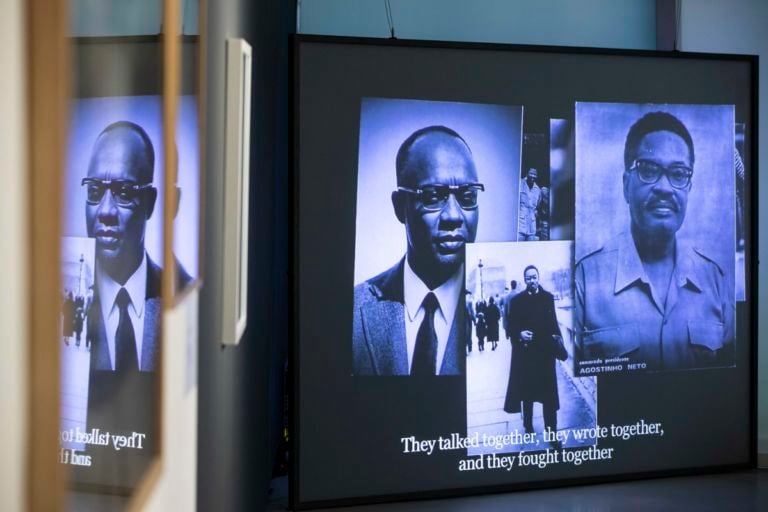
x,y
485,316
74,311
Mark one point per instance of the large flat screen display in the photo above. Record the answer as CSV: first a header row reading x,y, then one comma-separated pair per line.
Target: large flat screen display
x,y
519,266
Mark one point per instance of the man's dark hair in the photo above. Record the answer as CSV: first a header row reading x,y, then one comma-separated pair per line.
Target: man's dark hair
x,y
138,130
405,147
654,122
529,267
513,284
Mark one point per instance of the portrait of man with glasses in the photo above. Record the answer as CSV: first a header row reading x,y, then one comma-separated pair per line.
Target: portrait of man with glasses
x,y
650,298
411,319
120,199
112,213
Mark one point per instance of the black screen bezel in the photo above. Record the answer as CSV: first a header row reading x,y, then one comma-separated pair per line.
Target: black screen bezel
x,y
300,41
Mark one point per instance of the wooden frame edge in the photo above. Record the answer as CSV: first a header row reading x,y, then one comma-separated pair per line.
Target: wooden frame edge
x,y
48,83
202,98
146,485
171,39
179,296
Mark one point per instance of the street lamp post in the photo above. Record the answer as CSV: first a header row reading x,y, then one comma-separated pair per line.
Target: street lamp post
x,y
480,266
80,277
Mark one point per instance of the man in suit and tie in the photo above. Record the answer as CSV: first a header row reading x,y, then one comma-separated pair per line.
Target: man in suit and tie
x,y
124,319
120,200
412,318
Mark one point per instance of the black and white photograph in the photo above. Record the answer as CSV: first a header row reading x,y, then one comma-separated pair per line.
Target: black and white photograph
x,y
655,237
520,380
77,292
432,177
535,185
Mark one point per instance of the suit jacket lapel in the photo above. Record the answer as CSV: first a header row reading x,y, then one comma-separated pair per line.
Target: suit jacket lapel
x,y
100,356
149,340
384,320
101,359
152,311
453,360
384,323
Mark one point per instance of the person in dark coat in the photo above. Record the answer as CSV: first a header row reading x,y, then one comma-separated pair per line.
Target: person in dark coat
x,y
492,317
471,317
79,317
481,327
68,320
536,343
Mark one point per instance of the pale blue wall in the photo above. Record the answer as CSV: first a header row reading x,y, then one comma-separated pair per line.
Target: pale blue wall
x,y
741,26
603,23
93,18
115,17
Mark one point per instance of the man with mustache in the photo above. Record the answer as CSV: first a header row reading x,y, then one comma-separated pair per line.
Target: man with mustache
x,y
411,319
646,296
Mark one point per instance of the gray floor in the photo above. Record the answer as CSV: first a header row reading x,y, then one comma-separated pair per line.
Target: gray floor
x,y
739,491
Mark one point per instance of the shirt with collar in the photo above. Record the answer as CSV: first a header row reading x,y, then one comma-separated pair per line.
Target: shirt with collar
x,y
619,314
447,295
136,286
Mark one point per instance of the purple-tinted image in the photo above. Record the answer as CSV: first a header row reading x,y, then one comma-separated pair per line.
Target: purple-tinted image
x,y
89,118
655,240
741,231
535,185
432,177
522,394
112,250
77,294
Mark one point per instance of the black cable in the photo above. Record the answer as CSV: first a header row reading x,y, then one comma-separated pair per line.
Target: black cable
x,y
390,19
678,12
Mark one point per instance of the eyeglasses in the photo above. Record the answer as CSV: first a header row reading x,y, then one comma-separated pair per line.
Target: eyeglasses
x,y
124,192
650,172
435,197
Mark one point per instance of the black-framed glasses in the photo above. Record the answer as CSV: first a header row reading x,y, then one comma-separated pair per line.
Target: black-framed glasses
x,y
435,197
124,192
649,172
